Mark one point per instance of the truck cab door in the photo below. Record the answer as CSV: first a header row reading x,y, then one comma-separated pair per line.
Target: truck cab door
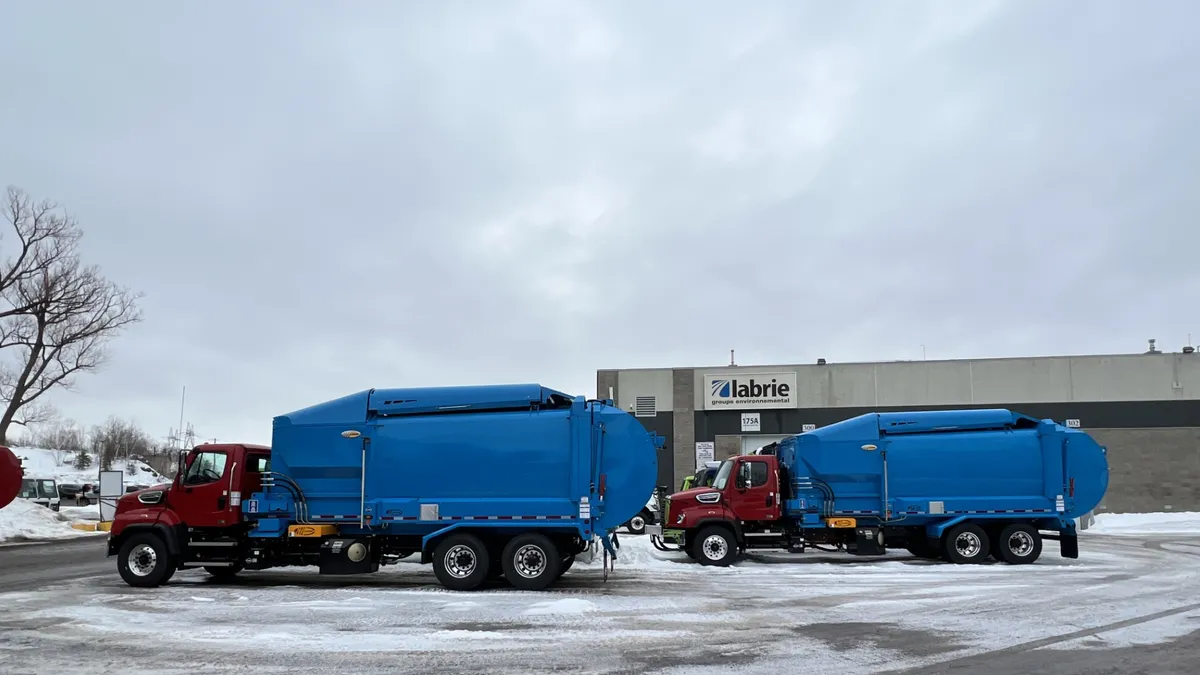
x,y
205,490
755,493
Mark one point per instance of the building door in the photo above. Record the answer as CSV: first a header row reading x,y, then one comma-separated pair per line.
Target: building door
x,y
751,443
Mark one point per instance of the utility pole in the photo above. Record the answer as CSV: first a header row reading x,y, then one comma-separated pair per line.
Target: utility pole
x,y
182,398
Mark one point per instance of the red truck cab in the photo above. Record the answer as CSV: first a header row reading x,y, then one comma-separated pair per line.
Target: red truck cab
x,y
193,521
742,502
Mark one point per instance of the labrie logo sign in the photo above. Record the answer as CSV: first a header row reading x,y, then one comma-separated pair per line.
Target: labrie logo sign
x,y
751,390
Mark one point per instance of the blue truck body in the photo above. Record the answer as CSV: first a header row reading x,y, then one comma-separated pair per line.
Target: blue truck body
x,y
922,480
935,468
406,471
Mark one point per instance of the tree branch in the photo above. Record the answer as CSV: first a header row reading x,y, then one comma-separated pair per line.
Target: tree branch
x,y
57,315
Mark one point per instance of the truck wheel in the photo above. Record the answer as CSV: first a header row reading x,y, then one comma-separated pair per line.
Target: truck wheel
x,y
143,560
531,562
461,562
966,544
637,524
715,546
566,564
1018,544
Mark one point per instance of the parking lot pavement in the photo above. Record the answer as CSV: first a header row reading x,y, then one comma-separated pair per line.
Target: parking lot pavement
x,y
1127,602
31,565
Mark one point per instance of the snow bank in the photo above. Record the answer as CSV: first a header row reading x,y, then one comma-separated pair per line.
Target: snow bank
x,y
22,520
41,462
637,553
1184,522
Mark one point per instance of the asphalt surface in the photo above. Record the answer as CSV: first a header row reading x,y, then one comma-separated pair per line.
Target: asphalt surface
x,y
28,566
56,568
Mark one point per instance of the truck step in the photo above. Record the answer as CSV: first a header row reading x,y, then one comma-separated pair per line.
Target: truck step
x,y
212,543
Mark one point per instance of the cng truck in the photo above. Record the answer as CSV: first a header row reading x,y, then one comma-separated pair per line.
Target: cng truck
x,y
482,482
958,485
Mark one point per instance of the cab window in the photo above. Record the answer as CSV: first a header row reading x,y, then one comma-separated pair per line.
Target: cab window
x,y
753,474
758,474
207,467
258,463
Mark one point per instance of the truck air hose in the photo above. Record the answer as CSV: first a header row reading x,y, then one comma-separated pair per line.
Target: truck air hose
x,y
292,487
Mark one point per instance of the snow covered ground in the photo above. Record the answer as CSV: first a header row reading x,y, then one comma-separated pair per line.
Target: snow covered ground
x,y
23,520
1136,524
657,613
42,462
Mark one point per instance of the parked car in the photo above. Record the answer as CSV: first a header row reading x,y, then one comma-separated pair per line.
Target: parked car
x,y
40,490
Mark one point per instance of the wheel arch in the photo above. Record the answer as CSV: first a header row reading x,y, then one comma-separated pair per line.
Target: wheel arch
x,y
167,534
731,525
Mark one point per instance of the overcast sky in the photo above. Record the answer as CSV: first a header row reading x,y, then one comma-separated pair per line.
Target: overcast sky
x,y
320,199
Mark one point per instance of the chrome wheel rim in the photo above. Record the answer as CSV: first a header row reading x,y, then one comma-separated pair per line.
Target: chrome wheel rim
x,y
637,523
714,547
460,561
530,561
142,560
968,544
1020,543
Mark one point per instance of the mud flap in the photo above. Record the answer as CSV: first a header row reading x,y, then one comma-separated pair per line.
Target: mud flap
x,y
608,545
1068,545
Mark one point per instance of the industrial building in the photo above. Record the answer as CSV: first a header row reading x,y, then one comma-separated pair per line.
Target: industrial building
x,y
1145,407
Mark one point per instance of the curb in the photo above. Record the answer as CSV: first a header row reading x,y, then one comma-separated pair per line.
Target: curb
x,y
92,526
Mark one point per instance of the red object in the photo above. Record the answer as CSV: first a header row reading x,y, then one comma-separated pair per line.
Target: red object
x,y
10,476
1071,492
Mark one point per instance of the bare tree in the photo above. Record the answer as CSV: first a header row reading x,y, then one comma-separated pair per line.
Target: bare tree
x,y
118,439
62,437
56,315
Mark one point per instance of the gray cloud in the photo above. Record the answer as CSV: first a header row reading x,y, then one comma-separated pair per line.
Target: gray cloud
x,y
318,200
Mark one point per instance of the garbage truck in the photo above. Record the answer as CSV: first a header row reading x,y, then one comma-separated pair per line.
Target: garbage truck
x,y
963,486
482,482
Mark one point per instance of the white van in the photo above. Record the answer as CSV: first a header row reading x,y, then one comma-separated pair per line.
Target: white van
x,y
40,490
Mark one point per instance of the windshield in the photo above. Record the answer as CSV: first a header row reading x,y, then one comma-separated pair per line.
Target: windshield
x,y
723,474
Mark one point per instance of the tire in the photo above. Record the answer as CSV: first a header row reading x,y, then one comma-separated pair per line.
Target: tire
x,y
223,573
715,545
966,544
461,562
1018,544
531,562
566,564
637,524
143,560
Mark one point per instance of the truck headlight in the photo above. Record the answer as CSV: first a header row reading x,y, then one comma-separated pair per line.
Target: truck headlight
x,y
151,497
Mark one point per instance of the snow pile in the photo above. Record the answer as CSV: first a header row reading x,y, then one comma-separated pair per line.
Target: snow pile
x,y
41,462
1185,522
23,520
637,553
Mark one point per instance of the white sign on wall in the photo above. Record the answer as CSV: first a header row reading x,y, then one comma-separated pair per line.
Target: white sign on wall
x,y
751,422
808,427
1074,424
750,390
705,451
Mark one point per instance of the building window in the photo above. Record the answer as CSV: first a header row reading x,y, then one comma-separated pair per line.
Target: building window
x,y
645,406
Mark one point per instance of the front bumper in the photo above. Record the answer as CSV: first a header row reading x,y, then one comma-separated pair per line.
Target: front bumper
x,y
654,530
